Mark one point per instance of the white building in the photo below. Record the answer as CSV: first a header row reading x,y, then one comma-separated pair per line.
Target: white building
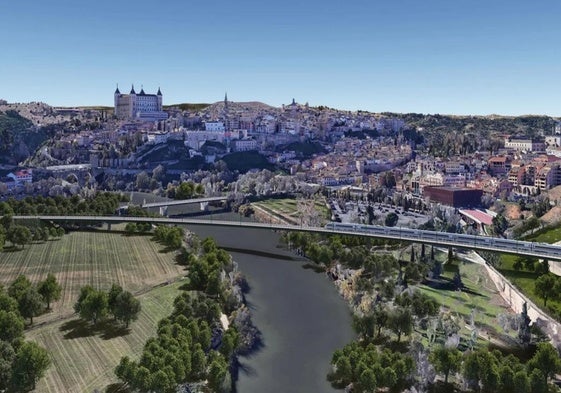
x,y
524,144
245,144
139,106
22,176
195,139
553,141
214,126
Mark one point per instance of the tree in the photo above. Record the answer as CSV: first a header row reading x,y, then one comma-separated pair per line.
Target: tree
x,y
7,303
84,292
29,366
198,363
401,322
230,341
19,287
216,373
391,219
19,235
162,383
49,289
368,381
7,356
544,287
112,295
446,360
126,308
126,370
546,359
11,325
2,237
94,306
499,224
131,228
31,304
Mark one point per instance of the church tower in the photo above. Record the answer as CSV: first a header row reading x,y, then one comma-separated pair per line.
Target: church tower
x,y
116,98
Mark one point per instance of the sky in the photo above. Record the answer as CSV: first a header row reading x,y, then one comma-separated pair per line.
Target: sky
x,y
462,57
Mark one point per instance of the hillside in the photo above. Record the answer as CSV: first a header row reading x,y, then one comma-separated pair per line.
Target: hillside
x,y
447,135
18,139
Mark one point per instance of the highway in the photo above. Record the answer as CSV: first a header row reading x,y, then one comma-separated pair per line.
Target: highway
x,y
444,239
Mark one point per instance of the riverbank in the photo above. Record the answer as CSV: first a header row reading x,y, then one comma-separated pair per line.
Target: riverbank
x,y
299,313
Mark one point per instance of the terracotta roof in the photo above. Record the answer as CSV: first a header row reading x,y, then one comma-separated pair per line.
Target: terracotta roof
x,y
478,215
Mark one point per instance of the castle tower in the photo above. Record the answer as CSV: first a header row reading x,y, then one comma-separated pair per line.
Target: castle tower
x,y
132,103
116,97
160,104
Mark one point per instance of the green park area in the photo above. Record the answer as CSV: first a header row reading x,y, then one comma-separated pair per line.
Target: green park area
x,y
291,210
522,272
478,300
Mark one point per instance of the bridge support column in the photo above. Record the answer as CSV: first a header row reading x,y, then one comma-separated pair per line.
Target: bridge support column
x,y
108,226
204,206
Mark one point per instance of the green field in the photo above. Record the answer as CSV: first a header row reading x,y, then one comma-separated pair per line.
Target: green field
x,y
480,297
97,258
524,279
83,360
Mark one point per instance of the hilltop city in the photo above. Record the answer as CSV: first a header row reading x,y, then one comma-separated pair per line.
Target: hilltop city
x,y
317,145
432,229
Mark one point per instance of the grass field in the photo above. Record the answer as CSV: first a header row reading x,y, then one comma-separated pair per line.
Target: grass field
x,y
83,360
96,258
524,279
289,208
480,297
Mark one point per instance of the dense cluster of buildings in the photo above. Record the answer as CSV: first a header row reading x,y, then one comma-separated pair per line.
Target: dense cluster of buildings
x,y
359,148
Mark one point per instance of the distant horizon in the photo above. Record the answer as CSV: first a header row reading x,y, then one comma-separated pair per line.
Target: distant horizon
x,y
298,102
473,58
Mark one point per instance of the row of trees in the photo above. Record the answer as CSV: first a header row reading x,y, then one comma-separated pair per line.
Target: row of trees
x,y
93,305
23,363
171,237
20,235
368,369
491,371
102,203
190,345
33,300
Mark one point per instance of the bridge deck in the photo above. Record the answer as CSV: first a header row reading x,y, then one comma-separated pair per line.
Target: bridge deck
x,y
445,239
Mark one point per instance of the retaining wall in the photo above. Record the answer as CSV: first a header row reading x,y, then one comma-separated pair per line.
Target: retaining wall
x,y
516,299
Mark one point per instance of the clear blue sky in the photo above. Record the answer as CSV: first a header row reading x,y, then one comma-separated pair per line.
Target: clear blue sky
x,y
441,56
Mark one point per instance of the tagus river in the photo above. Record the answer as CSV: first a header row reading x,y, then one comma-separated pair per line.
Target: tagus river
x,y
301,316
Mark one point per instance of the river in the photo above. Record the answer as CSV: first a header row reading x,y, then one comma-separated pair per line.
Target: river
x,y
298,311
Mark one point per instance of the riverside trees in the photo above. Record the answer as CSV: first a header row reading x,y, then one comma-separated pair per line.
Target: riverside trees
x,y
392,314
190,345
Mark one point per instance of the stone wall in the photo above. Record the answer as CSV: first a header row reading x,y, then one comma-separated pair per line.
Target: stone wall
x,y
516,300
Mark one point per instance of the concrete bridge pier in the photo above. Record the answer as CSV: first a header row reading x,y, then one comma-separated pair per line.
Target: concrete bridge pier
x,y
204,206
